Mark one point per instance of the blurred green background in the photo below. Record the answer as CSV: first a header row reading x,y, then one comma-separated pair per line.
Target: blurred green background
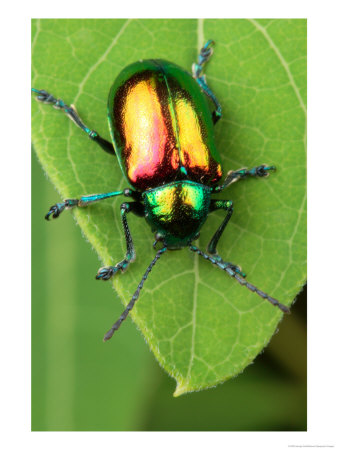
x,y
80,383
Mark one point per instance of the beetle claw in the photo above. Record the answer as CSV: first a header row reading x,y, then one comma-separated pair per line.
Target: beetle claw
x,y
55,211
105,273
263,170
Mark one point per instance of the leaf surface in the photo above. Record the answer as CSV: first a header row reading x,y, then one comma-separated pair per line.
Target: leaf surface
x,y
202,326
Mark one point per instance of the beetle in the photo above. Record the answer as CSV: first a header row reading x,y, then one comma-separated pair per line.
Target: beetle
x,y
162,132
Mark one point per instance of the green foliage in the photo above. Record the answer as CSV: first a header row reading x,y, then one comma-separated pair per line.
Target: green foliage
x,y
201,325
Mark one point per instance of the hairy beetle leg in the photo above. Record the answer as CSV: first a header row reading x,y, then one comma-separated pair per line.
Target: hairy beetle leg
x,y
235,175
225,264
197,69
227,206
86,200
70,111
105,273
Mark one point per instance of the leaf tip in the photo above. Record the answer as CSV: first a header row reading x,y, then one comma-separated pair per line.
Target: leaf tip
x,y
181,389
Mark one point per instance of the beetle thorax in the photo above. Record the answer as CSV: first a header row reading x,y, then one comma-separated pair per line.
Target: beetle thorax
x,y
177,211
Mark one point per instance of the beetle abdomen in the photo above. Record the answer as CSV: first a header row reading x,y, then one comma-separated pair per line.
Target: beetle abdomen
x,y
161,126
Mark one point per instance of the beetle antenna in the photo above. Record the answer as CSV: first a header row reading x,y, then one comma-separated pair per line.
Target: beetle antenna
x,y
132,302
241,280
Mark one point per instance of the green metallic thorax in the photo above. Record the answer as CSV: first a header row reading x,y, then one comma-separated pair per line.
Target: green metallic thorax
x,y
177,211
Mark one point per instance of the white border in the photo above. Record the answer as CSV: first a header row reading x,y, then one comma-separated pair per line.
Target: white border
x,y
15,215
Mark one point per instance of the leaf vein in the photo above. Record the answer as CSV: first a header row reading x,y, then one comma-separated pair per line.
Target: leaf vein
x,y
282,61
101,59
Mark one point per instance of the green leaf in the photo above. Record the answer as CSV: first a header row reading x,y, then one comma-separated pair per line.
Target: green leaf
x,y
202,326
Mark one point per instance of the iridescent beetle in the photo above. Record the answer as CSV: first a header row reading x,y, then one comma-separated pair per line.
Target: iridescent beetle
x,y
162,134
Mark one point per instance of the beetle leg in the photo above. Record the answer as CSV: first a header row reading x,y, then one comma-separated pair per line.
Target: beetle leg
x,y
227,205
70,111
105,273
197,68
86,200
241,280
240,174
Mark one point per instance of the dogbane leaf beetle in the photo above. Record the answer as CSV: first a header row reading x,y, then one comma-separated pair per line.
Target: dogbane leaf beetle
x,y
162,133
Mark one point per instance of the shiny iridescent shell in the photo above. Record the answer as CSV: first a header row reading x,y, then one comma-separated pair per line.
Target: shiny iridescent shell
x,y
161,126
